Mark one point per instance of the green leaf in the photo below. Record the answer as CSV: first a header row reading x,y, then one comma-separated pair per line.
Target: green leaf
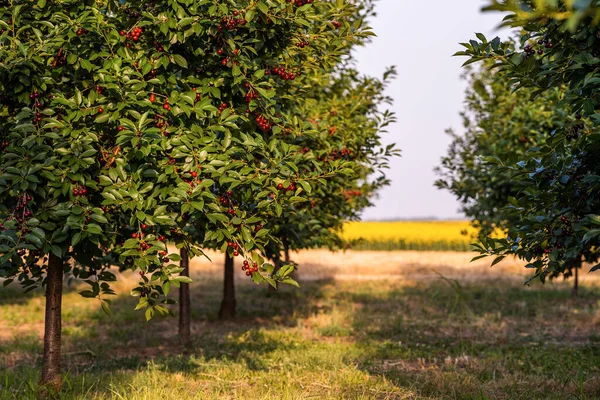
x,y
182,62
106,308
149,313
182,279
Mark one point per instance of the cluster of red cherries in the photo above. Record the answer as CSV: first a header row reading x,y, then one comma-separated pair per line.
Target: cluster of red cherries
x,y
231,22
3,145
250,269
158,46
60,59
38,117
81,31
351,193
193,182
198,95
300,3
21,208
303,44
283,74
134,34
35,97
226,201
339,154
291,187
251,95
160,121
222,107
531,50
263,123
79,191
235,247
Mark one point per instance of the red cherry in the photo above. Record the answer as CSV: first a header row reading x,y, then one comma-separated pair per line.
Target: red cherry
x,y
100,110
194,174
144,226
134,235
122,33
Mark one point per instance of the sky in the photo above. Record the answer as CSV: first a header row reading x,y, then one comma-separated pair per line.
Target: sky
x,y
419,38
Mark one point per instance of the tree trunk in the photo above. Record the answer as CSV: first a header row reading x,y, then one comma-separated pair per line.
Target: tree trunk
x,y
51,381
287,255
184,300
286,248
575,292
277,262
227,310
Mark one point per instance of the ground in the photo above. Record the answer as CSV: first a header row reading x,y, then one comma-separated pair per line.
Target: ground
x,y
364,325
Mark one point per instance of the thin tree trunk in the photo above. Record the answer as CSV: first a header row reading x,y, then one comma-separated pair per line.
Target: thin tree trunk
x,y
51,381
277,262
575,292
227,310
286,248
184,300
287,255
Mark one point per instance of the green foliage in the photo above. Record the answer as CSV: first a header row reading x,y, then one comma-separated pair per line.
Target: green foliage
x,y
344,109
125,124
336,126
501,127
553,218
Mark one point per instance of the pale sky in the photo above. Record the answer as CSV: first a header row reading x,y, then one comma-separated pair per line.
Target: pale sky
x,y
419,37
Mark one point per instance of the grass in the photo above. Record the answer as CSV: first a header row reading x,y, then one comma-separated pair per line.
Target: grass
x,y
433,327
410,235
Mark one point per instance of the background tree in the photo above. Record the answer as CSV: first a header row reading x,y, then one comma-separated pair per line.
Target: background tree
x,y
555,219
349,30
345,108
501,125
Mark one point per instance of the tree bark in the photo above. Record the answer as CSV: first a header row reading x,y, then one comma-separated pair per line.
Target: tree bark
x,y
51,381
184,300
575,292
227,310
287,255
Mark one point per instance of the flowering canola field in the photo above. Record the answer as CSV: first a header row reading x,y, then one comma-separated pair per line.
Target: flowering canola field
x,y
410,235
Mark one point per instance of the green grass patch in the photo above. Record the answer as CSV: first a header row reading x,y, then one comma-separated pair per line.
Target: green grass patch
x,y
328,340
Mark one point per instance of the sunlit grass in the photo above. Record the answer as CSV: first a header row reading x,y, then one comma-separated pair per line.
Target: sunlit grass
x,y
408,335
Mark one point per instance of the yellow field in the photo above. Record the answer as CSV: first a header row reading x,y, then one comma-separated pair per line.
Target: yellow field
x,y
410,235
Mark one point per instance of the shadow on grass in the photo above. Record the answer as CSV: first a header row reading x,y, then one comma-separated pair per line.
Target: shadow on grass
x,y
440,338
93,340
483,341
